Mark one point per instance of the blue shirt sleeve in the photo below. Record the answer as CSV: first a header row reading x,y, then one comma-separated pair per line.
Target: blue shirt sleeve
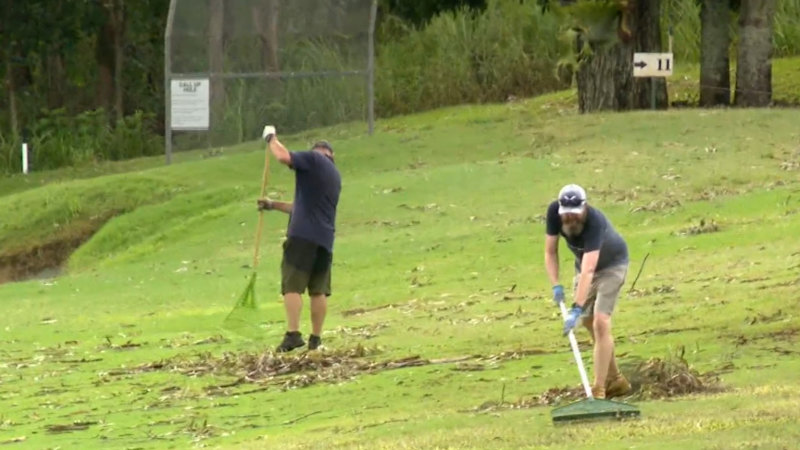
x,y
302,161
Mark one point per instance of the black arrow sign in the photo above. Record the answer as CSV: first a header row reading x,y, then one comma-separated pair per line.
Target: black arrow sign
x,y
640,64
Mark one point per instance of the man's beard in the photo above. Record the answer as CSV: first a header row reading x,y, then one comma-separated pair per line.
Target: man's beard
x,y
573,229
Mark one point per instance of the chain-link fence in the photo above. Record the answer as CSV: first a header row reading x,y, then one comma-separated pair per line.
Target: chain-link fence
x,y
233,65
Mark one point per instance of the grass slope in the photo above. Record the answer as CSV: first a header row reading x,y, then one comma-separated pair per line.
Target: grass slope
x,y
439,254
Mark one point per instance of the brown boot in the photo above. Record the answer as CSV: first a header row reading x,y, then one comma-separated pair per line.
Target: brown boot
x,y
617,386
598,392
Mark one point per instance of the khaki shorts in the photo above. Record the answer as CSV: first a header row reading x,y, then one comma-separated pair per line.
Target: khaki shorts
x,y
604,292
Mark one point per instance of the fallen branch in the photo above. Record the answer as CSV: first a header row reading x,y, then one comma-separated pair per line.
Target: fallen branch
x,y
301,418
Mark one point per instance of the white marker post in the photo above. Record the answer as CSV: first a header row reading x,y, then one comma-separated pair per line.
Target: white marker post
x,y
25,157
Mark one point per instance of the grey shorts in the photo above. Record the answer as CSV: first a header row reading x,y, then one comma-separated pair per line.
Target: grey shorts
x,y
605,289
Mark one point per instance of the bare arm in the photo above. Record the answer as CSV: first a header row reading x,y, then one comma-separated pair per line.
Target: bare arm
x,y
283,207
551,258
280,152
588,266
265,204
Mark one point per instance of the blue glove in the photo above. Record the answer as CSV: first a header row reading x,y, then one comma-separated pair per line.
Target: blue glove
x,y
572,318
558,294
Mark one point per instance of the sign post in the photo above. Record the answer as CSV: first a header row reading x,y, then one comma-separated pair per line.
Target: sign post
x,y
652,65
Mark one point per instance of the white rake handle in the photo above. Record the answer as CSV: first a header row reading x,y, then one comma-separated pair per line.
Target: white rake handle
x,y
575,351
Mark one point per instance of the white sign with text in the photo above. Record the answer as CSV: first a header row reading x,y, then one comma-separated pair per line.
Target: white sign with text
x,y
190,104
652,64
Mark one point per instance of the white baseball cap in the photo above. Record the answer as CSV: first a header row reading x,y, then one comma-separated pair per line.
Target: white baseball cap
x,y
571,199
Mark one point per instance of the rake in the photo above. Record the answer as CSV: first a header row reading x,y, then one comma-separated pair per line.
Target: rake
x,y
589,408
243,318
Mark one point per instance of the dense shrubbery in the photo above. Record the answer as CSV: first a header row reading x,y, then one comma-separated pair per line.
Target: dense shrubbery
x,y
509,48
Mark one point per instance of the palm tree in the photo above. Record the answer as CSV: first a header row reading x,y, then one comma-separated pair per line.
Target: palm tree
x,y
607,32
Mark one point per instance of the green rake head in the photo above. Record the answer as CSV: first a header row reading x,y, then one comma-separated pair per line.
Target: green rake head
x,y
594,409
244,317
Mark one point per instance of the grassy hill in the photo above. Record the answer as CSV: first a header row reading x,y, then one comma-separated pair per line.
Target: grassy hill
x,y
440,331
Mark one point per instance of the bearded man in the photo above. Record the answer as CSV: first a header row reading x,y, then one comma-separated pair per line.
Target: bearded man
x,y
601,265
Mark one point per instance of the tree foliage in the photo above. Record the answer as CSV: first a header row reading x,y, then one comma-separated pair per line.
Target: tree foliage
x,y
420,11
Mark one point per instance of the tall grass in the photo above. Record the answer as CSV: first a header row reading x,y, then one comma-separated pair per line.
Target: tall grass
x,y
508,49
786,37
58,140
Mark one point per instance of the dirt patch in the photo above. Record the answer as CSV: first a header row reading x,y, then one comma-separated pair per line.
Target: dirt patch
x,y
45,258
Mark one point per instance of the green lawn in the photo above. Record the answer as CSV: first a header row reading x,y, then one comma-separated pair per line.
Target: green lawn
x,y
438,255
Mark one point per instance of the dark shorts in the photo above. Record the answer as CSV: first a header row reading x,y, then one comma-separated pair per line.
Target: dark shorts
x,y
306,266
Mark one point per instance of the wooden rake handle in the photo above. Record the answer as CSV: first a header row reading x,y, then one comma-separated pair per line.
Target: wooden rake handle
x,y
264,180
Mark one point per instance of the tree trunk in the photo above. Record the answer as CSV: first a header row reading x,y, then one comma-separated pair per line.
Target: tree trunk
x,y
265,22
715,41
647,38
605,80
56,77
754,61
104,54
12,98
216,56
118,21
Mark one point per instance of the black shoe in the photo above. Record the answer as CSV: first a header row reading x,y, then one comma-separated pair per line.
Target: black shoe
x,y
314,342
291,341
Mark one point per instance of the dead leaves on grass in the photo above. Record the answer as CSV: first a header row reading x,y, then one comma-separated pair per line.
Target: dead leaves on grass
x,y
653,379
660,290
286,371
188,340
66,428
764,318
290,371
702,227
364,331
674,377
124,346
657,205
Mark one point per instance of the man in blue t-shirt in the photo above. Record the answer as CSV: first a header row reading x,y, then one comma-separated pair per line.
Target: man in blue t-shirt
x,y
308,249
601,265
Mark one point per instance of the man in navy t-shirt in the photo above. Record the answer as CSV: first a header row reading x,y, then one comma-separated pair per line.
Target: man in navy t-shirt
x,y
601,264
308,249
